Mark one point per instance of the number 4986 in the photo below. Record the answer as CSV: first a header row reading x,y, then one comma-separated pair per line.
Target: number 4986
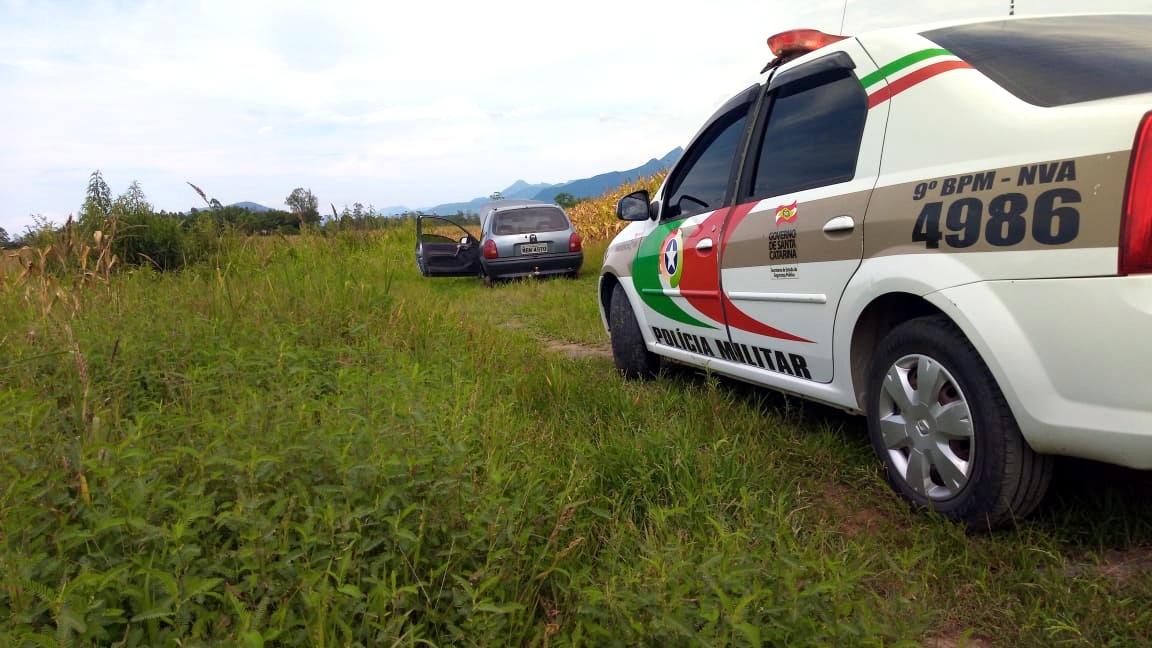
x,y
1053,220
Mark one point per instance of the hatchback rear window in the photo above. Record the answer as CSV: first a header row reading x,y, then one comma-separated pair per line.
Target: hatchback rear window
x,y
1060,60
529,219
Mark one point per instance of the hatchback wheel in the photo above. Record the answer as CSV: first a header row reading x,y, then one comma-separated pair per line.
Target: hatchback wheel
x,y
944,432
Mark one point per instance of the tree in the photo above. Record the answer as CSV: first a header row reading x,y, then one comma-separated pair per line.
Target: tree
x,y
4,240
97,202
132,202
565,200
303,205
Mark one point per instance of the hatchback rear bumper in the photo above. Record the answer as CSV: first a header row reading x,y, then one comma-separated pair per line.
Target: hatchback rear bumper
x,y
533,266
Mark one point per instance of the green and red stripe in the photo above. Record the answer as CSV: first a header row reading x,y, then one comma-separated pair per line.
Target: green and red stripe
x,y
914,78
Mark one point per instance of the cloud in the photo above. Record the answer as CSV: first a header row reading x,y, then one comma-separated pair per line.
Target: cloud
x,y
417,104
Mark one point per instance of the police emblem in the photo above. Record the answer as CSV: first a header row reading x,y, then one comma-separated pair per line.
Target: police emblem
x,y
671,258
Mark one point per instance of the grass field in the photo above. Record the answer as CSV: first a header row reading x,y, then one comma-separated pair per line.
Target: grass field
x,y
9,262
307,443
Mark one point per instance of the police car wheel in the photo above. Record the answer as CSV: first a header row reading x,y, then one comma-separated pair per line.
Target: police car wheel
x,y
944,432
631,356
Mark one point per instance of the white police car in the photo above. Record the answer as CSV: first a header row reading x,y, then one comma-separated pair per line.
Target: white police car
x,y
947,229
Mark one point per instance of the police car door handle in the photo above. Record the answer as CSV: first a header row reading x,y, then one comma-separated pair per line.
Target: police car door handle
x,y
842,223
704,245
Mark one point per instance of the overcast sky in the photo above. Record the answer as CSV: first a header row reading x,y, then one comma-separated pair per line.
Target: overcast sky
x,y
384,103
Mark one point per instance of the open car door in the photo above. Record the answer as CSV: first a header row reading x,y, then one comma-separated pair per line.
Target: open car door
x,y
445,249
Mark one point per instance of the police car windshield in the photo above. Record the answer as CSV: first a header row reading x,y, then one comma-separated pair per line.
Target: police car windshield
x,y
1061,60
530,219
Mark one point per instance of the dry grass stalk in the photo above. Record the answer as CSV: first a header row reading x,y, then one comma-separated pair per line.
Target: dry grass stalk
x,y
42,268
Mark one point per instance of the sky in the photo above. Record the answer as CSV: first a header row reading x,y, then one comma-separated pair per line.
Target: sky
x,y
382,103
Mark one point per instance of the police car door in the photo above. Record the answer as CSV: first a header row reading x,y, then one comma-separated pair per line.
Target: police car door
x,y
675,272
794,238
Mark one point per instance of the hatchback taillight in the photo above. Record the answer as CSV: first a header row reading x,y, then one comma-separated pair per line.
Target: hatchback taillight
x,y
490,249
574,243
1136,226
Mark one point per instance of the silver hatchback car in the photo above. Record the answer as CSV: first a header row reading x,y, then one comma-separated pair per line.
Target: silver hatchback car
x,y
518,238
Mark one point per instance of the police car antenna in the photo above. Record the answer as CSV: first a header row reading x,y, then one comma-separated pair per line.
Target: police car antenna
x,y
845,13
1011,7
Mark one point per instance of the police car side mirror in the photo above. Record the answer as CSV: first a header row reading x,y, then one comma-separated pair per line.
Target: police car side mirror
x,y
634,206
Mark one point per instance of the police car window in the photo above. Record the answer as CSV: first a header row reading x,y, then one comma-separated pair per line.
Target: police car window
x,y
813,135
703,183
1059,60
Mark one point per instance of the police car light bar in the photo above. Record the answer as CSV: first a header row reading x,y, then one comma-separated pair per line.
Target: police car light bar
x,y
790,44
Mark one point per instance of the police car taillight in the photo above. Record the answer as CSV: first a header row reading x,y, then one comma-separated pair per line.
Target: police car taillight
x,y
1136,226
574,242
490,249
790,44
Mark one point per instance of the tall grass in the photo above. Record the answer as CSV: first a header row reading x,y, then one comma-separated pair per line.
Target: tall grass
x,y
303,442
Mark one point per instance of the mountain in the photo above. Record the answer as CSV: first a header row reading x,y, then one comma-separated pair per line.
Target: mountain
x,y
525,191
255,208
597,185
251,206
584,188
518,189
450,209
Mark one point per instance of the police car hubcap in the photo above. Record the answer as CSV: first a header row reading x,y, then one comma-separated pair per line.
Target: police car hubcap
x,y
926,426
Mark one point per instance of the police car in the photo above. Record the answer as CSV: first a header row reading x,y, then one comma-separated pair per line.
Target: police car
x,y
947,229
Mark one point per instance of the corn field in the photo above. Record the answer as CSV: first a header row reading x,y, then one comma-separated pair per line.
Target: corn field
x,y
595,218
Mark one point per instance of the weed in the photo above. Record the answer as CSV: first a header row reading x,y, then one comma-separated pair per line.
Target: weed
x,y
299,441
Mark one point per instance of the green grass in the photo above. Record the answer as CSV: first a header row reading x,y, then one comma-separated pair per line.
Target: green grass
x,y
303,442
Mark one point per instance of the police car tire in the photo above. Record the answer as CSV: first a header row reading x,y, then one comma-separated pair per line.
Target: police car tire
x,y
630,354
1007,479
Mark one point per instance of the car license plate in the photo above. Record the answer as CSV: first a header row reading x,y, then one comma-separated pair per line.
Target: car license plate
x,y
533,248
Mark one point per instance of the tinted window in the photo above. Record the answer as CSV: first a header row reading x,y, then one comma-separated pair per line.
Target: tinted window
x,y
702,182
529,219
1058,61
813,135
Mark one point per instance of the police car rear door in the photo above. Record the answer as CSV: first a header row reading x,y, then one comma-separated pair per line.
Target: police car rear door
x,y
794,238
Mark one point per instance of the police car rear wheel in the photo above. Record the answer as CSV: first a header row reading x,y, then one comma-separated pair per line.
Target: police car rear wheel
x,y
944,432
631,356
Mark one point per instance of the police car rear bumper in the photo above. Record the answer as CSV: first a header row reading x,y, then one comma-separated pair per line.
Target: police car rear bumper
x,y
1073,358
